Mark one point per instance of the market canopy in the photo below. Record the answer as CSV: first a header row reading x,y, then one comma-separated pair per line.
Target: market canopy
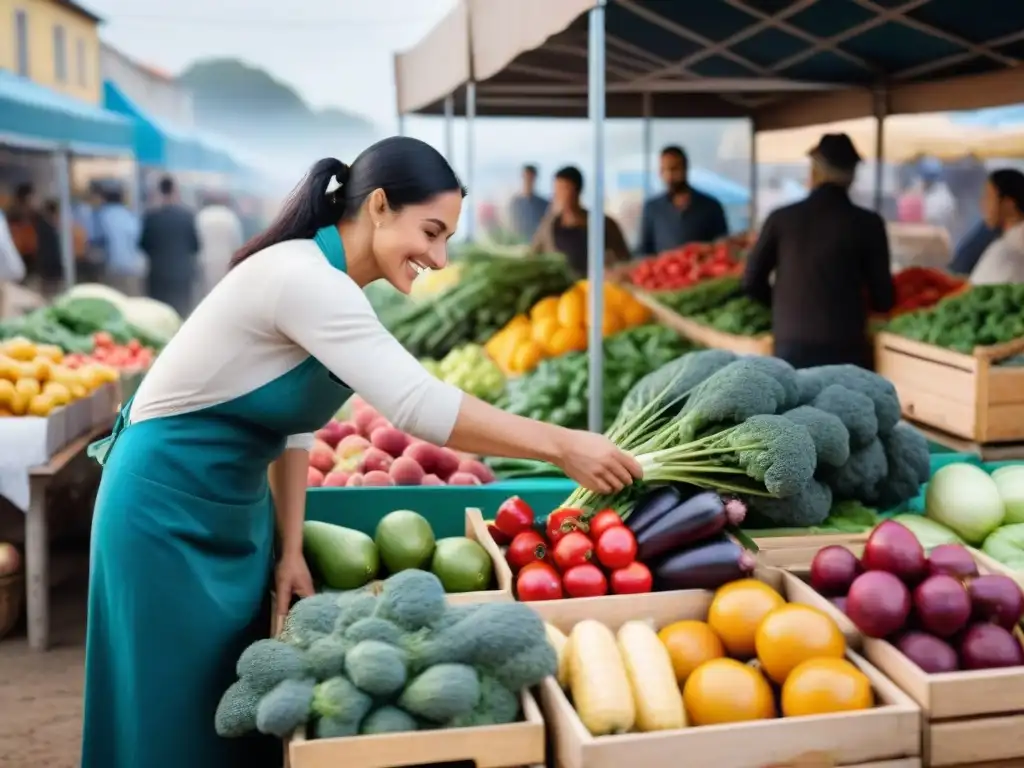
x,y
787,63
36,117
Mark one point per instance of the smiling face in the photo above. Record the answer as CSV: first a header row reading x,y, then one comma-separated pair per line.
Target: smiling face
x,y
415,238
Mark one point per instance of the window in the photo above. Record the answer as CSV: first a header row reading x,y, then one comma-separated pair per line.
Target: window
x,y
60,55
21,41
81,64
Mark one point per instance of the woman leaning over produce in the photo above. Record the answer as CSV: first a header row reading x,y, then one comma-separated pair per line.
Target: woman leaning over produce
x,y
183,533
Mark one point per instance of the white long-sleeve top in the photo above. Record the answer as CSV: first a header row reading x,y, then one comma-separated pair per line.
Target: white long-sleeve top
x,y
12,266
267,316
220,235
1003,260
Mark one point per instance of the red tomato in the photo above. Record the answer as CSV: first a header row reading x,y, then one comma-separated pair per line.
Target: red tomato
x,y
574,549
538,582
585,581
514,516
134,345
634,579
561,522
527,547
617,548
102,339
602,521
499,538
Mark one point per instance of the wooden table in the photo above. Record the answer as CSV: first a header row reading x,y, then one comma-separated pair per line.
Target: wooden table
x,y
37,536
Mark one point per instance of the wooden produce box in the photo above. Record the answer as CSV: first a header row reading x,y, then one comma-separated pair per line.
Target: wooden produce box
x,y
888,735
702,334
796,551
964,395
970,717
476,529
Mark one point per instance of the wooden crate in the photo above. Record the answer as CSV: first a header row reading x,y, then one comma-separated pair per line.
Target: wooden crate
x,y
965,395
888,735
790,551
476,529
702,334
970,717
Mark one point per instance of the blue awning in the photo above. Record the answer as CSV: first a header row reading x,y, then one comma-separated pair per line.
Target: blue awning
x,y
34,116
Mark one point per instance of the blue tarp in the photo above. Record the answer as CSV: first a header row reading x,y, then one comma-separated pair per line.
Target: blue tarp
x,y
727,192
34,114
996,117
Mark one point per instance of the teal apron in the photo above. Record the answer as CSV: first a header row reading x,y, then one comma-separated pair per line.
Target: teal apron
x,y
181,565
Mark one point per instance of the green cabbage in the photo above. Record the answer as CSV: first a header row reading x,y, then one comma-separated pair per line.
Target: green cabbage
x,y
965,499
153,318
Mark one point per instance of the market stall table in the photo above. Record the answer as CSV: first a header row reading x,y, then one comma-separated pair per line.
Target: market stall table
x,y
37,534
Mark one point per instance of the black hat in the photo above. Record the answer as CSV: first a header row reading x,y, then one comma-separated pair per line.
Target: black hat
x,y
837,150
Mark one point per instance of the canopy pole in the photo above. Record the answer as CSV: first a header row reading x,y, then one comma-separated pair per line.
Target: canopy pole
x,y
595,220
648,144
449,128
62,173
755,182
881,112
401,124
471,160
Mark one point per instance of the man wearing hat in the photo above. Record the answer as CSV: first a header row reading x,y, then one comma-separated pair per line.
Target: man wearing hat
x,y
830,261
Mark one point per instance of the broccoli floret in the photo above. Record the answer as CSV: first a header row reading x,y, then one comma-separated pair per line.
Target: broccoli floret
x,y
733,394
388,719
853,408
334,728
236,712
526,668
881,391
359,607
830,436
782,372
774,451
377,668
443,692
668,385
285,708
497,706
907,453
374,629
268,662
861,477
338,699
809,507
412,599
311,618
454,614
326,656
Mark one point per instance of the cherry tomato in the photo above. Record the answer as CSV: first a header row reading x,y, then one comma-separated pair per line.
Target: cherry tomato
x,y
602,521
585,581
617,548
528,547
499,538
561,522
514,516
574,549
134,345
634,579
538,582
102,339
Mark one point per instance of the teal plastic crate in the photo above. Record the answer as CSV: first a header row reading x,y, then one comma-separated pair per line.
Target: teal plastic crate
x,y
443,506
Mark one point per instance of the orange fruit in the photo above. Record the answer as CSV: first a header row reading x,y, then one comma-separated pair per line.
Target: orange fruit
x,y
544,329
793,634
546,307
634,313
611,323
824,686
726,691
737,610
690,644
572,309
568,340
526,356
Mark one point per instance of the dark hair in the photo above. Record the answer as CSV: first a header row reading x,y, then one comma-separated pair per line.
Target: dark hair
x,y
1009,183
166,186
112,195
51,206
23,192
676,151
530,168
571,174
408,170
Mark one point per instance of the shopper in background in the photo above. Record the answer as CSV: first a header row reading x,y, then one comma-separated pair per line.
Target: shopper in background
x,y
23,222
564,227
527,209
825,253
117,233
1002,205
12,266
49,259
170,240
682,215
220,235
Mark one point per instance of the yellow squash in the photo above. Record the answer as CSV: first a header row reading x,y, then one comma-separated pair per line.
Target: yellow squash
x,y
598,680
659,704
560,643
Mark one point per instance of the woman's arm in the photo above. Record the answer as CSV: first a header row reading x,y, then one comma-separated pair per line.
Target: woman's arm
x,y
288,485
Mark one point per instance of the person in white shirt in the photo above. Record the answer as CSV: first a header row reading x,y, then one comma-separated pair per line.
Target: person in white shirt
x,y
12,266
1002,205
220,236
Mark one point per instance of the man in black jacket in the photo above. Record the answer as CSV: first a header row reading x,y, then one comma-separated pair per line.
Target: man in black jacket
x,y
830,260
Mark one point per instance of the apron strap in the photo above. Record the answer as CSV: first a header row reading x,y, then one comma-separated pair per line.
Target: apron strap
x,y
100,449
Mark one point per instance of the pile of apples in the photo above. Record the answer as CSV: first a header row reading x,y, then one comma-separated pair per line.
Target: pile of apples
x,y
368,451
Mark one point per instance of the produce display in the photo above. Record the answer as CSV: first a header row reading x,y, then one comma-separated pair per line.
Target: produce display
x,y
721,304
922,287
34,379
470,369
369,452
344,558
129,357
556,391
490,292
702,297
558,325
630,680
981,316
683,267
936,607
359,663
789,443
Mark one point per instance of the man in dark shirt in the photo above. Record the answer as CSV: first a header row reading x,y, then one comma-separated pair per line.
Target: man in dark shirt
x,y
682,215
170,240
830,259
527,208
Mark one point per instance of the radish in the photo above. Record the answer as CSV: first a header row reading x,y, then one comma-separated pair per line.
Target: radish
x,y
336,479
375,460
351,446
463,478
426,455
321,456
314,478
432,480
405,471
377,479
447,463
474,467
390,440
363,418
355,480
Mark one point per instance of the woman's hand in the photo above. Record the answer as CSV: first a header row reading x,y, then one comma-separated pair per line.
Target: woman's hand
x,y
291,579
595,462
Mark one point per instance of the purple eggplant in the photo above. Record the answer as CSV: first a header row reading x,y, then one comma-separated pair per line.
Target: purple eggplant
x,y
707,565
656,503
690,522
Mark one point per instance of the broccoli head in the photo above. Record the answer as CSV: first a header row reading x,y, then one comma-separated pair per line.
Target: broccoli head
x,y
311,618
326,656
808,507
907,453
830,436
862,476
340,700
268,662
881,391
236,712
782,372
853,408
730,396
774,451
669,384
412,599
285,708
